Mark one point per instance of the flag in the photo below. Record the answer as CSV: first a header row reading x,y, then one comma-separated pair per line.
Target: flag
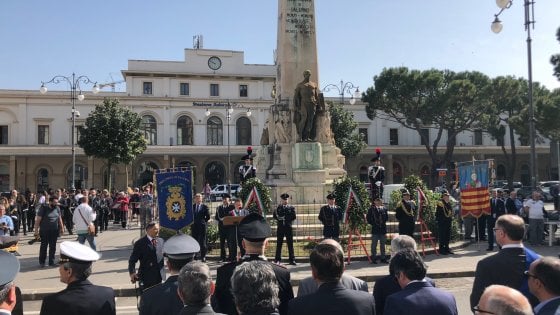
x,y
255,197
174,190
351,197
420,200
473,182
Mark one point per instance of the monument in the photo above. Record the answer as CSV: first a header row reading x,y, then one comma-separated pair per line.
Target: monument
x,y
298,154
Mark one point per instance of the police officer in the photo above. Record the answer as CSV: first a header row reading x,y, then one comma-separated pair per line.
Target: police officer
x,y
223,211
285,214
330,216
162,299
247,171
80,297
376,175
444,216
405,214
10,295
255,231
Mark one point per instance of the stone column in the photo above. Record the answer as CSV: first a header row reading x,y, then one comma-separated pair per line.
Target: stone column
x,y
13,172
388,163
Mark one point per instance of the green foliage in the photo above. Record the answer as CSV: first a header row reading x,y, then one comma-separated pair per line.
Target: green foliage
x,y
212,235
357,213
264,192
166,233
555,59
344,128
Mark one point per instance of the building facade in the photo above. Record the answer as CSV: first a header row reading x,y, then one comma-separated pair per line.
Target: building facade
x,y
201,112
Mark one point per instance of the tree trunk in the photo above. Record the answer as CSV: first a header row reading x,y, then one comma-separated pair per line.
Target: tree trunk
x,y
109,176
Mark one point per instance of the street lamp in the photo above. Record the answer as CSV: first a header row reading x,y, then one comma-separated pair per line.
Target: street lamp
x,y
229,110
344,88
75,93
529,22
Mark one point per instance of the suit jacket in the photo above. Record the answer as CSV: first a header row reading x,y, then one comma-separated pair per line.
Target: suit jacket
x,y
202,216
80,298
222,300
151,269
421,298
510,206
196,309
161,299
550,308
333,298
309,285
511,264
387,286
497,207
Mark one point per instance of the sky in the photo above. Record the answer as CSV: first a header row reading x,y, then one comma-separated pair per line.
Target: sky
x,y
356,39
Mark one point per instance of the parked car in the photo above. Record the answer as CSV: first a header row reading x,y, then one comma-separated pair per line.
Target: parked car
x,y
218,190
526,191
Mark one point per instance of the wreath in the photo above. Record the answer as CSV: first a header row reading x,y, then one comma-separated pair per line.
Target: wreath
x,y
264,194
357,210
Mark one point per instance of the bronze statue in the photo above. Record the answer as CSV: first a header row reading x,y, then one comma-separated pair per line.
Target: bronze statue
x,y
306,101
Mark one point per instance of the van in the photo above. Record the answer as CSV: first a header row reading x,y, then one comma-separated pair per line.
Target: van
x,y
388,190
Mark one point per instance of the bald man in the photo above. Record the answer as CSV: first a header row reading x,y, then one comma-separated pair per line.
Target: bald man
x,y
502,300
544,282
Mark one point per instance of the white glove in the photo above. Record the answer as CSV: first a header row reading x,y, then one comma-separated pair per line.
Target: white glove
x,y
378,183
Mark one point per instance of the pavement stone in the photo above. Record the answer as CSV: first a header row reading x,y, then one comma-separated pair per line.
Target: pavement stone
x,y
115,247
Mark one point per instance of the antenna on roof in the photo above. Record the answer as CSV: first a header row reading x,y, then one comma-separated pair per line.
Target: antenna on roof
x,y
197,42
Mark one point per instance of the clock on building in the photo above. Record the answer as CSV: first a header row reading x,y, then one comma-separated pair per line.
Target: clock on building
x,y
214,63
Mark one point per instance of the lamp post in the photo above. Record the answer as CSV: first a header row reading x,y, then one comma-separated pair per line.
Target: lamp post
x,y
529,23
344,88
75,93
229,110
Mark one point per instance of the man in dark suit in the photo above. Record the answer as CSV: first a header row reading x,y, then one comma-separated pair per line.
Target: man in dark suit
x,y
501,300
497,209
199,226
544,283
507,266
162,298
285,214
149,251
195,288
80,297
327,266
444,217
417,295
254,231
223,211
330,215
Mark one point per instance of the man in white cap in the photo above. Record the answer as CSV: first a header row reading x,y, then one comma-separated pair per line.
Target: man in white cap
x,y
80,297
162,299
8,272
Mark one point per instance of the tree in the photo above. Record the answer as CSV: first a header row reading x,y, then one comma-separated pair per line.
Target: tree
x,y
344,128
547,115
555,59
442,100
112,133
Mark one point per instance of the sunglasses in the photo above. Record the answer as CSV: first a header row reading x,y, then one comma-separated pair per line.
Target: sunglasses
x,y
476,308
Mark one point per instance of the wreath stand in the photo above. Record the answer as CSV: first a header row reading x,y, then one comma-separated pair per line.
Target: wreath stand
x,y
355,232
425,236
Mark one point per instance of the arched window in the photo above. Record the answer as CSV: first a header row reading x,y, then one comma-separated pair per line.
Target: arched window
x,y
80,177
4,177
397,173
145,173
243,127
214,131
193,172
215,173
149,126
184,130
42,179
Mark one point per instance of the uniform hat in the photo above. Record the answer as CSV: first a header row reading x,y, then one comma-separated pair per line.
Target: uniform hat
x,y
404,191
285,196
330,196
226,195
444,192
378,155
181,247
254,228
75,252
10,268
249,155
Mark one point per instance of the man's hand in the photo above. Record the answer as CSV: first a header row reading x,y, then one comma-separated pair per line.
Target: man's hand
x,y
133,277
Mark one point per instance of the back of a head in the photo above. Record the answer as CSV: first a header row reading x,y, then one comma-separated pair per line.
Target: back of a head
x,y
408,262
513,226
401,242
330,241
255,288
547,270
195,283
327,263
502,300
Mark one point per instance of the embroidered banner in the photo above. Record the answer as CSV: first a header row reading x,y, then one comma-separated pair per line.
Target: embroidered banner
x,y
174,191
473,182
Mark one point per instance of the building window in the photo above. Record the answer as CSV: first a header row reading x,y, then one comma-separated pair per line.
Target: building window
x,y
500,141
42,180
4,177
393,136
184,131
3,134
424,136
243,90
184,89
145,173
149,126
214,89
77,134
397,173
147,88
243,126
80,177
364,133
43,134
214,131
478,137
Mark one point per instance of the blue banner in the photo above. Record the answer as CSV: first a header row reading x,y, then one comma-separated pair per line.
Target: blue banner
x,y
473,176
174,192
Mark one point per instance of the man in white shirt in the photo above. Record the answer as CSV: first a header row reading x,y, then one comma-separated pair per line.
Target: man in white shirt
x,y
83,218
534,208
